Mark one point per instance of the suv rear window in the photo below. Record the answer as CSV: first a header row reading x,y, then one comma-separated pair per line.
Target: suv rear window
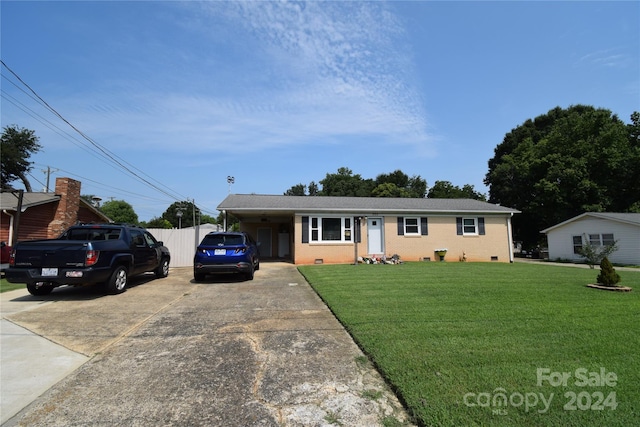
x,y
223,239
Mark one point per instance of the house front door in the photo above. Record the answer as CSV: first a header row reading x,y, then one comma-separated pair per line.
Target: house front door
x,y
264,238
375,244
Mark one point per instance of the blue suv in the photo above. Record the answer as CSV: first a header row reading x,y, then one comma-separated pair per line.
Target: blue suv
x,y
226,252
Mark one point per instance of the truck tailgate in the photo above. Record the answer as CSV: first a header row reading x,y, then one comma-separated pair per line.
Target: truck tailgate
x,y
59,253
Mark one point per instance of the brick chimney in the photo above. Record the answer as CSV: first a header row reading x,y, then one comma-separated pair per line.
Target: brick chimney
x,y
67,211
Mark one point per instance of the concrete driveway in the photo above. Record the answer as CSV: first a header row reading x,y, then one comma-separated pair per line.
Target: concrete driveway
x,y
225,352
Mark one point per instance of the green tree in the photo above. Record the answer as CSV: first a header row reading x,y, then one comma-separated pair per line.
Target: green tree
x,y
593,254
446,190
561,164
345,183
608,275
158,222
187,210
403,185
120,211
17,146
297,190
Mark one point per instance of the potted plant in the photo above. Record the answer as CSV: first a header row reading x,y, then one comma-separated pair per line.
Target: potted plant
x,y
441,253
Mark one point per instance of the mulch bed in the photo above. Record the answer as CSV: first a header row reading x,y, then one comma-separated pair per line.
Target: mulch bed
x,y
610,288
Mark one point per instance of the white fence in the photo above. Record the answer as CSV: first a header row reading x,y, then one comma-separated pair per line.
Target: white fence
x,y
182,243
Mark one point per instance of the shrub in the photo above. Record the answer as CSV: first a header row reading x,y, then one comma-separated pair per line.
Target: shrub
x,y
608,275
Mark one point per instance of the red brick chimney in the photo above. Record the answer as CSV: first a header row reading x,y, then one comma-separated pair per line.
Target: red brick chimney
x,y
68,207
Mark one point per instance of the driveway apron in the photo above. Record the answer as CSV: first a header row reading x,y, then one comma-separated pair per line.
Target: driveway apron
x,y
225,352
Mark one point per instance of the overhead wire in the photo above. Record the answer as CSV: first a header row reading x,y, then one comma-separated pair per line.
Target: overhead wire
x,y
105,153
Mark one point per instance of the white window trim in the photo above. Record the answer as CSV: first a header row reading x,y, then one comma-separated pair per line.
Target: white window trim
x,y
343,229
475,226
418,223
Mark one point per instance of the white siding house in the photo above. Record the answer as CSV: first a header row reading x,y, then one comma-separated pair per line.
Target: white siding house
x,y
598,228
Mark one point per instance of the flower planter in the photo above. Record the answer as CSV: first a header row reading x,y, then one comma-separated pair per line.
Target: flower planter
x,y
441,253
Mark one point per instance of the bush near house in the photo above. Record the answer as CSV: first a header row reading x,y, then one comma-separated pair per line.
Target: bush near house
x,y
449,336
608,275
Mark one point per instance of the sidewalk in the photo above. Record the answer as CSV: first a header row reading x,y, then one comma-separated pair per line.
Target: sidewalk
x,y
30,364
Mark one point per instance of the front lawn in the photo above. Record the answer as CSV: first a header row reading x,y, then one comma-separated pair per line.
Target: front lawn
x,y
6,286
494,344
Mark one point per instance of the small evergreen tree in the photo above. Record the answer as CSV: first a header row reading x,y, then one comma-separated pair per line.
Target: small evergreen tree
x,y
608,275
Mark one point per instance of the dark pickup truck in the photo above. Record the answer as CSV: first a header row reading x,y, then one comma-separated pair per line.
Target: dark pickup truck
x,y
86,255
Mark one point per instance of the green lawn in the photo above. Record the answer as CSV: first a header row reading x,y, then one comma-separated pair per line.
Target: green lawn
x,y
6,286
452,338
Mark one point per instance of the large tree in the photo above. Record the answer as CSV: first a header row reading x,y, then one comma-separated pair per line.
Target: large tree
x,y
446,190
564,163
187,211
17,145
120,211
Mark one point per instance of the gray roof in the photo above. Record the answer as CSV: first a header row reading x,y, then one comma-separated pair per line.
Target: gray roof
x,y
628,218
9,200
260,203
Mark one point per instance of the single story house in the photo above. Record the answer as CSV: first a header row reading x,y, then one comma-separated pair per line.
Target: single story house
x,y
339,230
32,215
566,239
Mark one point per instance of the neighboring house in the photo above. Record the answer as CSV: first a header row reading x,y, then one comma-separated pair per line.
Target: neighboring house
x,y
45,215
318,229
598,228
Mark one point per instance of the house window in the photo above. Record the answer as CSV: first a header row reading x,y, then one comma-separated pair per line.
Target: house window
x,y
577,245
607,239
330,229
469,226
601,239
411,225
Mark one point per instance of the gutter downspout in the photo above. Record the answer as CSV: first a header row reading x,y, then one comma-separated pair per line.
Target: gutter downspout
x,y
509,234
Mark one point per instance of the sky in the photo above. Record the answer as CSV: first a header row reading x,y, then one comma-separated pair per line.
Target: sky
x,y
154,102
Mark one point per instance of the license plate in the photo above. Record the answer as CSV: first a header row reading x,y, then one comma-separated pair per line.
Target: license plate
x,y
220,252
49,272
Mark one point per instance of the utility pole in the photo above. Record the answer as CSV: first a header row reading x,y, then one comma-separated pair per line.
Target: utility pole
x,y
48,173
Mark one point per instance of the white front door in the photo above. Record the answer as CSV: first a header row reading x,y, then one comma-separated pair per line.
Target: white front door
x,y
375,244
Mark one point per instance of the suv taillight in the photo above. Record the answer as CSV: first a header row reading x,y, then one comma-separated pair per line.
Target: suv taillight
x,y
91,258
241,250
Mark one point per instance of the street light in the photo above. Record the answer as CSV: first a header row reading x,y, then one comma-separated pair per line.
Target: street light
x,y
230,180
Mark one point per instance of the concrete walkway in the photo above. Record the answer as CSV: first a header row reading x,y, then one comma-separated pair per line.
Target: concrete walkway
x,y
169,351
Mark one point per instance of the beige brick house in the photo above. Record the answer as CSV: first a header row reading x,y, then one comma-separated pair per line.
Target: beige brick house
x,y
339,230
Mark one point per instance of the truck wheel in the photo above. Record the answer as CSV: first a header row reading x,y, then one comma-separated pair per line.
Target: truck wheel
x,y
39,290
118,281
163,268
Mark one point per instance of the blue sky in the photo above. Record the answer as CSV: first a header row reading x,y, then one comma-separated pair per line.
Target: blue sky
x,y
175,96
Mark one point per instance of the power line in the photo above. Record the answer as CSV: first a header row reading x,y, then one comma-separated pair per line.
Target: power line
x,y
106,153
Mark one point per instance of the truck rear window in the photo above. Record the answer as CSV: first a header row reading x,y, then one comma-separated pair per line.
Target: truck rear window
x,y
92,234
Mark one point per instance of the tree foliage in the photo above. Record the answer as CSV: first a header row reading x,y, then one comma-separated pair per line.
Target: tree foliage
x,y
446,190
593,254
345,183
17,146
564,163
187,208
120,211
158,222
608,275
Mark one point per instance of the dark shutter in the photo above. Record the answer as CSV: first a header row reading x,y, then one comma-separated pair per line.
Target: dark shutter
x,y
400,226
481,226
305,229
356,229
459,225
424,226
